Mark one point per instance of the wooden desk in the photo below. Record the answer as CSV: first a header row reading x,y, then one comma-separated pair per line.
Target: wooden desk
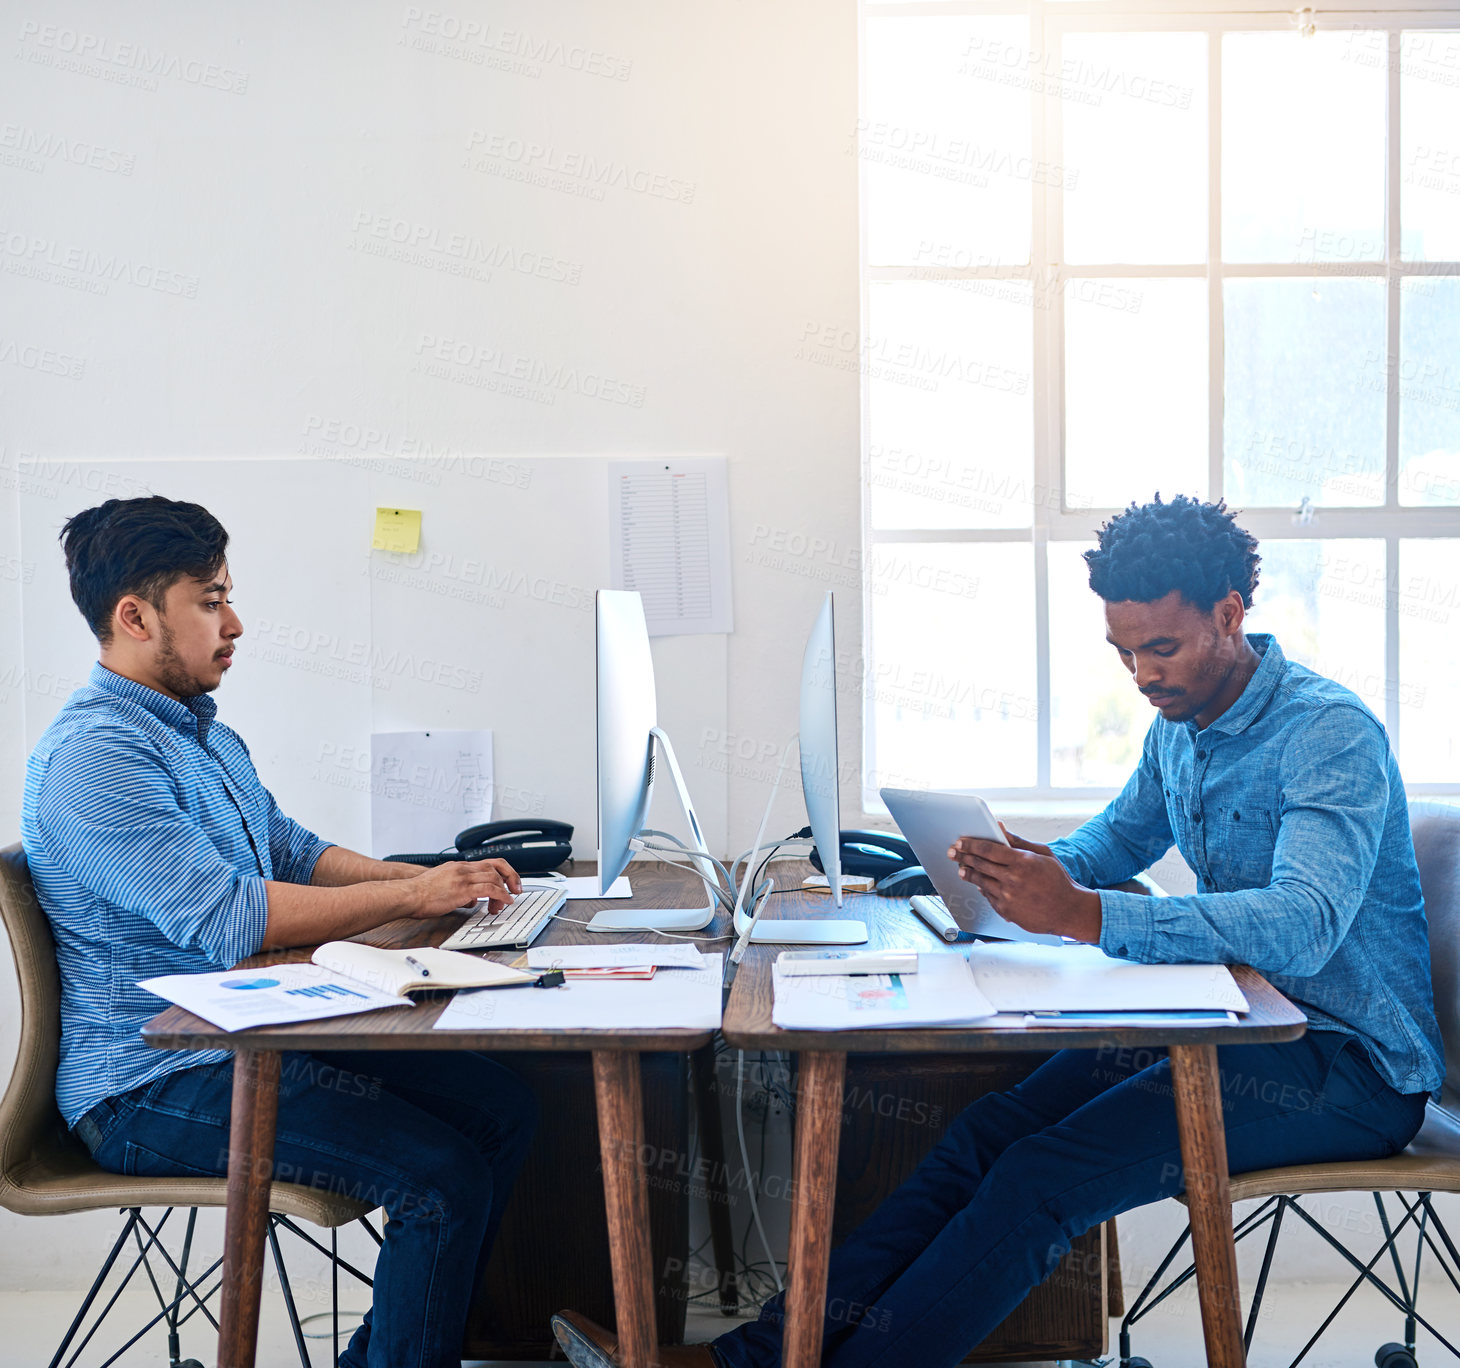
x,y
822,1068
617,1093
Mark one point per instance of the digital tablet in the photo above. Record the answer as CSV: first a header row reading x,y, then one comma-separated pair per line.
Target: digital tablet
x,y
931,822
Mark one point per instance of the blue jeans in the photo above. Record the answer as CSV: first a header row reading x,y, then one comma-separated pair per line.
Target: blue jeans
x,y
993,1208
436,1138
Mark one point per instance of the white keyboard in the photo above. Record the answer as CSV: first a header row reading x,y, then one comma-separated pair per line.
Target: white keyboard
x,y
515,926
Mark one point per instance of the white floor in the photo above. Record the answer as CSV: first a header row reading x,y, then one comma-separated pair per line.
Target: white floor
x,y
33,1323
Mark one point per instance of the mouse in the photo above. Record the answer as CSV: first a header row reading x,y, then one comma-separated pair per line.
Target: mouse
x,y
903,883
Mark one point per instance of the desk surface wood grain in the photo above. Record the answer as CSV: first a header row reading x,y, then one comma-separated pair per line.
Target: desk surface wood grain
x,y
412,1028
892,925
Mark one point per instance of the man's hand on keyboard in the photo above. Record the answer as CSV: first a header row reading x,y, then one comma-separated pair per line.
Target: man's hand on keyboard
x,y
459,883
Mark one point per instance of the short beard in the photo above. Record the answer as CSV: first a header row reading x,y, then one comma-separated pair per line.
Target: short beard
x,y
170,668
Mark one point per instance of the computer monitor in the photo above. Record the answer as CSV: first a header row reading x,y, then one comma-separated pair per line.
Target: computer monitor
x,y
820,774
820,779
628,738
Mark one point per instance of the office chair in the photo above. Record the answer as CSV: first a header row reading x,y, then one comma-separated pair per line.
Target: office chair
x,y
1429,1165
45,1170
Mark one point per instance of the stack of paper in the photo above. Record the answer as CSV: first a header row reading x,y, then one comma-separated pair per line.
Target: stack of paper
x,y
942,993
1083,979
685,992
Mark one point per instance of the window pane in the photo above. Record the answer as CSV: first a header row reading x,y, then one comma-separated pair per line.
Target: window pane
x,y
1429,390
1303,128
944,145
1304,391
1324,602
1429,136
1429,661
1135,390
952,682
951,422
1097,717
1133,102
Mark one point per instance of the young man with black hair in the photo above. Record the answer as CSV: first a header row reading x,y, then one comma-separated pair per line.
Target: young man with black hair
x,y
155,850
1279,789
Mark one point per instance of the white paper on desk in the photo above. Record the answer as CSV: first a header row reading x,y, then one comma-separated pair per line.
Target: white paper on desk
x,y
669,538
425,786
620,955
1083,978
279,993
941,993
689,998
584,886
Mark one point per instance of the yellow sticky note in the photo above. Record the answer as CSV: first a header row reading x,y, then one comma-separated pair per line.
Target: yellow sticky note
x,y
397,529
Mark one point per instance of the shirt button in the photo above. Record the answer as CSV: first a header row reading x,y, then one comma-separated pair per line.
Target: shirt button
x,y
1201,755
1196,817
1210,884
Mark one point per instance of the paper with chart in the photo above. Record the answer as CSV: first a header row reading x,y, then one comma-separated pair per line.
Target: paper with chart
x,y
1083,978
238,998
941,993
669,539
425,786
682,997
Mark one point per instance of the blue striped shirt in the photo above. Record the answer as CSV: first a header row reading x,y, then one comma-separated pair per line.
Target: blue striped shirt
x,y
143,864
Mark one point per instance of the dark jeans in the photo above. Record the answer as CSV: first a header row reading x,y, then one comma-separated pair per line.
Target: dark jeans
x,y
434,1138
992,1210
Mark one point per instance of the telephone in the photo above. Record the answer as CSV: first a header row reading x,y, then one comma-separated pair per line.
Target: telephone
x,y
887,857
530,847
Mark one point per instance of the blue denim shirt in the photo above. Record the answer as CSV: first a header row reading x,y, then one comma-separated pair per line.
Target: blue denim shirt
x,y
1290,810
144,866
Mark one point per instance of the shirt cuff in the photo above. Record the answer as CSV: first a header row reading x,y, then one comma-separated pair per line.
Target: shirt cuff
x,y
1127,925
299,868
249,922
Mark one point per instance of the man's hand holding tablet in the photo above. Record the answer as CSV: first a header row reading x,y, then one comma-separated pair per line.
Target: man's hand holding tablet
x,y
1026,885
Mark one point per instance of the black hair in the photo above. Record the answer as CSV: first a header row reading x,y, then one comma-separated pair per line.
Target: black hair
x,y
1196,548
137,546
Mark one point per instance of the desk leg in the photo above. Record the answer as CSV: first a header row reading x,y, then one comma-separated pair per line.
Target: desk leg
x,y
818,1132
250,1165
1204,1159
619,1094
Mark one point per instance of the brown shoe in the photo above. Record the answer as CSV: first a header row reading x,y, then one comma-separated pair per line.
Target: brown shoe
x,y
591,1346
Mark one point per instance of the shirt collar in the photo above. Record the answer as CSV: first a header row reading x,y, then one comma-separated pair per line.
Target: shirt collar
x,y
1265,679
189,715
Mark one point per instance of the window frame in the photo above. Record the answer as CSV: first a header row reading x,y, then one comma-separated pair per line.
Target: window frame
x,y
1052,520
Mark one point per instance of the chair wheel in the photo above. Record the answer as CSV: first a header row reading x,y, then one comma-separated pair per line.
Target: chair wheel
x,y
1136,1363
190,1363
1394,1356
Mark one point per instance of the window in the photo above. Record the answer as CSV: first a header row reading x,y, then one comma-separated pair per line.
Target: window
x,y
1109,252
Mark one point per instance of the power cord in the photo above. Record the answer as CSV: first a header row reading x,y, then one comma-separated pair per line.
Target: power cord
x,y
751,1179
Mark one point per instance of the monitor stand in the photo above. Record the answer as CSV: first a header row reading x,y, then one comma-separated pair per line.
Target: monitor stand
x,y
749,927
679,919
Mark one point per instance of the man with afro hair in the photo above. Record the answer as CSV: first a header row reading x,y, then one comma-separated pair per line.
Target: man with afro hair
x,y
1280,790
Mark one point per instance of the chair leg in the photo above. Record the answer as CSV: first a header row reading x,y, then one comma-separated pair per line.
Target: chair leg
x,y
101,1277
1261,1288
174,1344
335,1293
288,1296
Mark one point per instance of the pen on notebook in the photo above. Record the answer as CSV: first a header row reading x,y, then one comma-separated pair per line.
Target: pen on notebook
x,y
416,964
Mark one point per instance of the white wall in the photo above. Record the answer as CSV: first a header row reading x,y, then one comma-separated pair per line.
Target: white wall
x,y
203,295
